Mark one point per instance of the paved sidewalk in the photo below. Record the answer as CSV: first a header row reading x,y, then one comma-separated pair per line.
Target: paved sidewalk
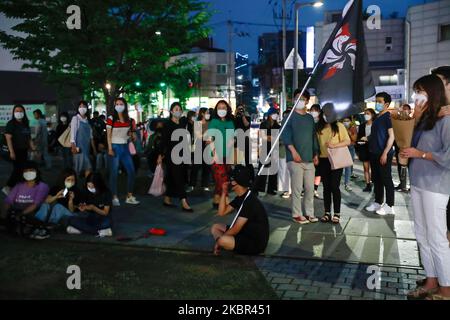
x,y
312,261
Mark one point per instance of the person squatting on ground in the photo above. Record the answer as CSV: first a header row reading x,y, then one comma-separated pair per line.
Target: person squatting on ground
x,y
250,233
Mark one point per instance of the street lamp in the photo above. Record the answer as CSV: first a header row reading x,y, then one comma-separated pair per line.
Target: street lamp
x,y
316,4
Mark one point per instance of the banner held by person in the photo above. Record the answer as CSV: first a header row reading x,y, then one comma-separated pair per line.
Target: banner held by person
x,y
343,79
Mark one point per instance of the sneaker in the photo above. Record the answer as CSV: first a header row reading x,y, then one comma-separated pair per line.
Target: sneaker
x,y
116,202
40,234
72,230
286,195
105,233
190,189
385,209
206,189
272,193
316,194
6,190
348,188
353,176
373,207
131,200
300,220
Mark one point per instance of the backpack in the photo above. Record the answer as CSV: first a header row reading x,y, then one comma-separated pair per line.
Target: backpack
x,y
24,225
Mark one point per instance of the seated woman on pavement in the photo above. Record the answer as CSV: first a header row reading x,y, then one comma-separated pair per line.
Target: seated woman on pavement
x,y
62,199
96,204
249,234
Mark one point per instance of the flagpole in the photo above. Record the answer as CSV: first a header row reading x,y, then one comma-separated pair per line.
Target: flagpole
x,y
276,140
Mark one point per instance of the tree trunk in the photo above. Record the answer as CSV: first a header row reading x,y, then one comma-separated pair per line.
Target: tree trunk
x,y
110,95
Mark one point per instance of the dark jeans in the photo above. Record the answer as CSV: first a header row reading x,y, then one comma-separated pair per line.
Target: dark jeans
x,y
382,179
331,180
448,216
175,180
402,174
195,169
16,174
90,224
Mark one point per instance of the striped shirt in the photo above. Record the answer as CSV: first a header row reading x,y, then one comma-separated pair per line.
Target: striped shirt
x,y
119,134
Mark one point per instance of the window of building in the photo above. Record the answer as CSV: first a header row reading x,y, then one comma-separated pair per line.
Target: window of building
x,y
388,80
444,32
222,69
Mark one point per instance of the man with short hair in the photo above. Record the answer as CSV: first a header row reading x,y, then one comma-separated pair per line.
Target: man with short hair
x,y
302,154
250,233
381,153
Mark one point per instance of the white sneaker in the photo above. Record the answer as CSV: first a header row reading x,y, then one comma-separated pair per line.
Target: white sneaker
x,y
72,230
6,190
131,200
105,233
116,202
373,207
316,194
348,188
40,234
286,195
385,209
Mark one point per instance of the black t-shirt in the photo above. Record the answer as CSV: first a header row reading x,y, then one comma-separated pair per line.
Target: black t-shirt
x,y
21,134
65,201
239,124
257,225
101,201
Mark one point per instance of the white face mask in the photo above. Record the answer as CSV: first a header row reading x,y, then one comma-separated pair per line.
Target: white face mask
x,y
301,105
419,98
222,113
82,111
347,124
274,117
19,115
368,117
207,116
315,114
29,175
91,190
177,114
120,108
63,119
68,184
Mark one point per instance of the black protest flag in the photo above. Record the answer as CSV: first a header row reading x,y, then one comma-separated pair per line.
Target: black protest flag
x,y
343,79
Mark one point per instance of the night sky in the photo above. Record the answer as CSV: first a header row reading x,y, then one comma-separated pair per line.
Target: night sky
x,y
260,11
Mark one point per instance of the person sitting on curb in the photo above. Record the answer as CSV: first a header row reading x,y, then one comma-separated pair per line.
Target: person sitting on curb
x,y
250,233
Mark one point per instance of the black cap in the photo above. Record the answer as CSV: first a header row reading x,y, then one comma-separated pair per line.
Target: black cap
x,y
242,176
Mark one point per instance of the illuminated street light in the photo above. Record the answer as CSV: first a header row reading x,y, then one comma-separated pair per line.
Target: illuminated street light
x,y
318,4
158,33
108,86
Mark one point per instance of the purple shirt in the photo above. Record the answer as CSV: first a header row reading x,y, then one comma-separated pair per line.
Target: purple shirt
x,y
22,196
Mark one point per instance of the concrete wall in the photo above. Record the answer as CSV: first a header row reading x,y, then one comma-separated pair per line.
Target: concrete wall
x,y
426,50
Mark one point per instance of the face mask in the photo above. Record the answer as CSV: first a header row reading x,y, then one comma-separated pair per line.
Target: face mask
x,y
194,119
82,111
419,98
68,184
207,116
91,190
315,114
222,113
63,119
18,115
29,175
301,105
368,117
120,108
347,124
49,129
379,107
177,114
274,117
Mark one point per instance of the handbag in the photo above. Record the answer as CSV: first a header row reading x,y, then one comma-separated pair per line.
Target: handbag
x,y
132,148
64,138
157,187
340,157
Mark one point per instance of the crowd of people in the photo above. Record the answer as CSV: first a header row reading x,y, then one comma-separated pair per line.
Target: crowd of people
x,y
310,150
